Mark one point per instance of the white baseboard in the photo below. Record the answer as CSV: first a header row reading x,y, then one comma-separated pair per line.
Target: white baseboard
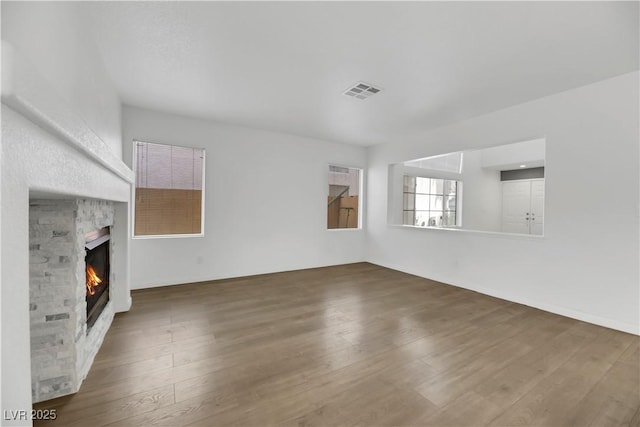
x,y
562,311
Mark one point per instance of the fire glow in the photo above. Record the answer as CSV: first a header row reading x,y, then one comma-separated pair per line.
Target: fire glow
x,y
92,280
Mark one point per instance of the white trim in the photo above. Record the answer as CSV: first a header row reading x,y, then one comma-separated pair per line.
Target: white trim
x,y
165,236
227,276
551,308
134,162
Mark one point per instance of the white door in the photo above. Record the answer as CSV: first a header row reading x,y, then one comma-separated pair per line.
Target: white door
x,y
516,200
537,207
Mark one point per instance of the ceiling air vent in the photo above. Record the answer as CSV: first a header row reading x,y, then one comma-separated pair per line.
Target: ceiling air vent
x,y
362,90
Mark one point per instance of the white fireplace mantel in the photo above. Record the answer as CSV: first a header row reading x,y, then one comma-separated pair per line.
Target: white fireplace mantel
x,y
47,150
27,92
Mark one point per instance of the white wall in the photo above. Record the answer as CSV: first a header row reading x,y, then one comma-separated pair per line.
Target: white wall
x,y
265,203
481,194
586,265
511,156
60,135
54,38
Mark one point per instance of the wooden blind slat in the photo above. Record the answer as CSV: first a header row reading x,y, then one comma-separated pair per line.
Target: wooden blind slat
x,y
168,198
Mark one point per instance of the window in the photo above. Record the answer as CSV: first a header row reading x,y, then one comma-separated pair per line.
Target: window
x,y
430,202
169,190
343,203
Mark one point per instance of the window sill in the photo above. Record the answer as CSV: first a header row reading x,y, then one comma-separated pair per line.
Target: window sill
x,y
476,232
166,236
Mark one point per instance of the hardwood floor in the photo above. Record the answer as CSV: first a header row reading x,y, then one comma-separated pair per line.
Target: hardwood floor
x,y
351,345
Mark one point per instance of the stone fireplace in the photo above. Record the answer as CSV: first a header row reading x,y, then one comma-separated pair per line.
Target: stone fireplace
x,y
60,181
65,335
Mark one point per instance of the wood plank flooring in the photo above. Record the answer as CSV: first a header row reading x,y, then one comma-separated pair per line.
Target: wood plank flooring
x,y
351,345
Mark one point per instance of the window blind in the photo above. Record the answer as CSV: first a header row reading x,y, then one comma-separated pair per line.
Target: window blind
x,y
169,189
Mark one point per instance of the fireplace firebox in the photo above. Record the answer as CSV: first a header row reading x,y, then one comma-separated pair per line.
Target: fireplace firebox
x,y
97,269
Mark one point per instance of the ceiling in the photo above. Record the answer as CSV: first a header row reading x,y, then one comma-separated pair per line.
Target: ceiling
x,y
284,66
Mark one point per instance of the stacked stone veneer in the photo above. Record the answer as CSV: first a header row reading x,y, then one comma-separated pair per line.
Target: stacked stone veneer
x,y
61,349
